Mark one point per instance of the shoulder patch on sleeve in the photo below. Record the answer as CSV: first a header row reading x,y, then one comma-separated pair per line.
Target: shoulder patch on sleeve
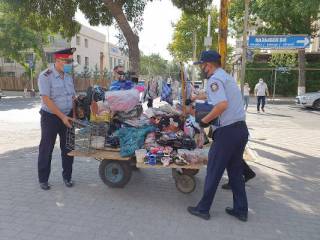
x,y
47,73
214,87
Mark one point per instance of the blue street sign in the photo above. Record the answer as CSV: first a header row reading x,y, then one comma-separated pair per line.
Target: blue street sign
x,y
279,41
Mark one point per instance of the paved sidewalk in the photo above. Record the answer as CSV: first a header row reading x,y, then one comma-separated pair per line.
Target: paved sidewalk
x,y
283,198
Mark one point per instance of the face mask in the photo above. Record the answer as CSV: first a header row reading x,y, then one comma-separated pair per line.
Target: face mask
x,y
67,68
204,74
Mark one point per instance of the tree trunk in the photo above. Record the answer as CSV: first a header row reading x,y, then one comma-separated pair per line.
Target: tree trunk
x,y
132,39
41,53
302,72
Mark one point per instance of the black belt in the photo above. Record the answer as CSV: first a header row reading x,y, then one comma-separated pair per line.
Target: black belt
x,y
238,124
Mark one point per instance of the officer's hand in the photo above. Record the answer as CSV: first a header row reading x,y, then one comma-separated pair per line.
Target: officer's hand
x,y
203,124
193,97
67,121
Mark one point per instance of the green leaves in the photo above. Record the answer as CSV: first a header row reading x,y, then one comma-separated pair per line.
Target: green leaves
x,y
283,59
181,47
277,16
197,7
155,65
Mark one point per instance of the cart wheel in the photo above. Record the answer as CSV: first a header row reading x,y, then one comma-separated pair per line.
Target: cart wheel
x,y
115,174
185,183
191,172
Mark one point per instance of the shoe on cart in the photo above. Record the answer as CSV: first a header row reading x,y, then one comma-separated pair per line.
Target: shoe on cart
x,y
45,186
68,183
195,212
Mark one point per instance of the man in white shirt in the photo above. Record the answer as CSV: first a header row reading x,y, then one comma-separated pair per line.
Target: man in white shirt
x,y
261,91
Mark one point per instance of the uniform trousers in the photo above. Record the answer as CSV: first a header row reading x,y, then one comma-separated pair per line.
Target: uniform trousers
x,y
226,153
51,126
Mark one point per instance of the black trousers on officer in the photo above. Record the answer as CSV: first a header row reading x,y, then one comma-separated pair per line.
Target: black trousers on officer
x,y
227,153
51,126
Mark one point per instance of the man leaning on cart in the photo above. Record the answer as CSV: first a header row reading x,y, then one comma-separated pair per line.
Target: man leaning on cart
x,y
57,93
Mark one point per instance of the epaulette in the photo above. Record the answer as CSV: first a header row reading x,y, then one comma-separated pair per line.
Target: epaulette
x,y
47,73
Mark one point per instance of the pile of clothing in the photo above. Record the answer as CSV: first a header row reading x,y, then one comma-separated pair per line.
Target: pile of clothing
x,y
162,131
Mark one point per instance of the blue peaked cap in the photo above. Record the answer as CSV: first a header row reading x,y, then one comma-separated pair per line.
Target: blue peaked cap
x,y
208,56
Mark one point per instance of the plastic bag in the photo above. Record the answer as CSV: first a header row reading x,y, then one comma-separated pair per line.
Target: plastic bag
x,y
123,100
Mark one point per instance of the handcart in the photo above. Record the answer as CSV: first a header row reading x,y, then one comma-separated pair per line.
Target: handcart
x,y
116,171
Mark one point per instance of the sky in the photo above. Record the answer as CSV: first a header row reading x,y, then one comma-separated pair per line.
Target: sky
x,y
157,27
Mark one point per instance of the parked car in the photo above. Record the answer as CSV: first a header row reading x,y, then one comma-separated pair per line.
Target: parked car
x,y
1,94
311,99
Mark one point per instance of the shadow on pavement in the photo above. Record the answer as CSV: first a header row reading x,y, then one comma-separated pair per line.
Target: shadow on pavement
x,y
18,103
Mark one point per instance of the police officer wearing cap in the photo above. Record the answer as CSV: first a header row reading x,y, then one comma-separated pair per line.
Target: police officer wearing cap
x,y
57,94
230,138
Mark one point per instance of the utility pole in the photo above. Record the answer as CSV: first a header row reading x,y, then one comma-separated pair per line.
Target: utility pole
x,y
194,55
223,31
208,39
244,46
302,72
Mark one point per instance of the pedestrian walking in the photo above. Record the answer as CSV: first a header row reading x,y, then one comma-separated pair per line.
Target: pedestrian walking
x,y
230,134
261,92
246,95
57,95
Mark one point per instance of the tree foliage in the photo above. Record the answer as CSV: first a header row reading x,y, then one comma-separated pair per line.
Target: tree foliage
x,y
181,47
283,59
277,16
17,40
155,65
192,6
58,16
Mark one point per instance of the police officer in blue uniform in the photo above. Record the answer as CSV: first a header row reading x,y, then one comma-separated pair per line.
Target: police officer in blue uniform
x,y
57,94
230,138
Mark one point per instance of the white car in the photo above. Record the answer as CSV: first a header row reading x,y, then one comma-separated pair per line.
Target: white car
x,y
309,100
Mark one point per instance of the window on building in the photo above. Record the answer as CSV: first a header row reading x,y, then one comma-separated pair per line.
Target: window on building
x,y
119,62
86,43
101,59
86,61
78,40
114,62
29,57
110,63
8,60
9,74
78,59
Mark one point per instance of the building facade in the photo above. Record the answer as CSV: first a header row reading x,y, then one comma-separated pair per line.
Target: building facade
x,y
93,53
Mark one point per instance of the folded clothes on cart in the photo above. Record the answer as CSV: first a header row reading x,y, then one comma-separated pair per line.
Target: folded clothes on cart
x,y
175,140
132,139
134,113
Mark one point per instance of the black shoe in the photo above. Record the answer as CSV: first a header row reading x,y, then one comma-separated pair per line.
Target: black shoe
x,y
249,176
241,217
226,186
68,183
45,186
195,212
